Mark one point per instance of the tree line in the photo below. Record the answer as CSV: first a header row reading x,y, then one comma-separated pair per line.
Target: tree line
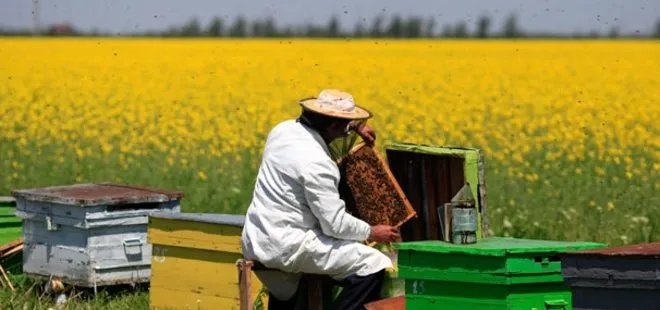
x,y
395,27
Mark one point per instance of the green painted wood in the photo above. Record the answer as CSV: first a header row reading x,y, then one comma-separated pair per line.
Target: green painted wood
x,y
497,246
560,301
10,226
494,273
473,171
512,297
497,260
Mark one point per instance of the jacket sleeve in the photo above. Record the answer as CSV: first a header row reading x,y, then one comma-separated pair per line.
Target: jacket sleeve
x,y
320,180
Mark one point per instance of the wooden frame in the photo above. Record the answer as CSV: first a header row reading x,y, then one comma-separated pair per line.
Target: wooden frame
x,y
391,182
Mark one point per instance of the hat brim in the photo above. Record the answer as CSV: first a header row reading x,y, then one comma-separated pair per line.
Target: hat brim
x,y
359,113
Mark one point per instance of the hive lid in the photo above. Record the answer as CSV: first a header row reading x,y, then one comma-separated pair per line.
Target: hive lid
x,y
641,249
497,246
91,194
212,218
432,149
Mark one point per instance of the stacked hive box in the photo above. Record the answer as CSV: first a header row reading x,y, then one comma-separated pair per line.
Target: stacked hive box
x,y
90,235
622,277
495,273
194,261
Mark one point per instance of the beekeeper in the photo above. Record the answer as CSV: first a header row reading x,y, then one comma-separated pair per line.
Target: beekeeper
x,y
297,223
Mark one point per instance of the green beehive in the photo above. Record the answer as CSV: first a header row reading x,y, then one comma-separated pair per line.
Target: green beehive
x,y
494,273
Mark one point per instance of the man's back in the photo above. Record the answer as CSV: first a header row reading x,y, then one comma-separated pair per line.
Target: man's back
x,y
277,215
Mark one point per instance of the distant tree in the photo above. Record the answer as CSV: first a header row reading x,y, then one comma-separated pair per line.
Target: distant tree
x,y
614,32
395,30
359,30
657,28
288,32
333,27
447,31
413,27
460,31
257,29
377,27
238,28
270,29
192,28
483,23
216,27
511,27
429,30
315,31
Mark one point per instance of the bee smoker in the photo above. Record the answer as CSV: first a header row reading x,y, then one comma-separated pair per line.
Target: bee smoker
x,y
464,223
462,213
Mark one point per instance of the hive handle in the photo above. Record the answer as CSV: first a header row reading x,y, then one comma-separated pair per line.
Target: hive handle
x,y
132,242
556,304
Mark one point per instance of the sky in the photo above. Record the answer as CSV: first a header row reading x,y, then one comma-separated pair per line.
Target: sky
x,y
125,16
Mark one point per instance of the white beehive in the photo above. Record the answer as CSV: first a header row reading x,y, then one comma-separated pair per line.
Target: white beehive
x,y
90,235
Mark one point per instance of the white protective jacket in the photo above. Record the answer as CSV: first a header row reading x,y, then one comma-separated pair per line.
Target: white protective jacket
x,y
296,221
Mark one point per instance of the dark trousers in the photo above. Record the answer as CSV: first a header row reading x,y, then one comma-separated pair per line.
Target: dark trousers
x,y
356,292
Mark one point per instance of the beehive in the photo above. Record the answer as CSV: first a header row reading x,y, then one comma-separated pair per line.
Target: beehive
x,y
194,261
429,177
621,277
90,235
494,273
370,191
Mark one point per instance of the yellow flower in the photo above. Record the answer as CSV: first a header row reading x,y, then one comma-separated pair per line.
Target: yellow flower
x,y
202,175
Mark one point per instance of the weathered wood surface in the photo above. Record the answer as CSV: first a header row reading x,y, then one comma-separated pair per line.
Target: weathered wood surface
x,y
196,235
95,194
212,218
193,264
89,247
88,218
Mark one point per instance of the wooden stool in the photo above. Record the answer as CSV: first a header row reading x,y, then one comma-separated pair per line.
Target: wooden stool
x,y
245,268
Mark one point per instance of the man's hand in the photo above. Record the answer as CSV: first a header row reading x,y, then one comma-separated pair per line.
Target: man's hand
x,y
384,234
366,132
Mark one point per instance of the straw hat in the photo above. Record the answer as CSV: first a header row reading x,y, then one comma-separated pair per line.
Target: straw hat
x,y
335,103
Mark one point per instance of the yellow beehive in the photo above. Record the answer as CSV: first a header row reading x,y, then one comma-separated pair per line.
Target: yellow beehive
x,y
193,264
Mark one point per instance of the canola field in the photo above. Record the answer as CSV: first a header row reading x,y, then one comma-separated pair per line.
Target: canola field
x,y
569,128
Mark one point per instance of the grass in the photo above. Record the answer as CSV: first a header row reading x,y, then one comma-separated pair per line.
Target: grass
x,y
30,294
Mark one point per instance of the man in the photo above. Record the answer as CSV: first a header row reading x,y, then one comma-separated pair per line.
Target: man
x,y
297,223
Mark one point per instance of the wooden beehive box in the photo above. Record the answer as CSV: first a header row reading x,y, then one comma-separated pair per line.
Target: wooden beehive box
x,y
90,235
430,176
194,261
619,277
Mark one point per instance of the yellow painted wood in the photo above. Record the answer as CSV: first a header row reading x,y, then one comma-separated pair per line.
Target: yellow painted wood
x,y
164,298
195,262
198,235
217,271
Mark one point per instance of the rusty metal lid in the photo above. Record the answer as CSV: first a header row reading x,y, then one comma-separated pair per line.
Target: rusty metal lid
x,y
642,249
92,194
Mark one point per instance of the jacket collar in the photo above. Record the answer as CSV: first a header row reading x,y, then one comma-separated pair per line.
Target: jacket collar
x,y
315,135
